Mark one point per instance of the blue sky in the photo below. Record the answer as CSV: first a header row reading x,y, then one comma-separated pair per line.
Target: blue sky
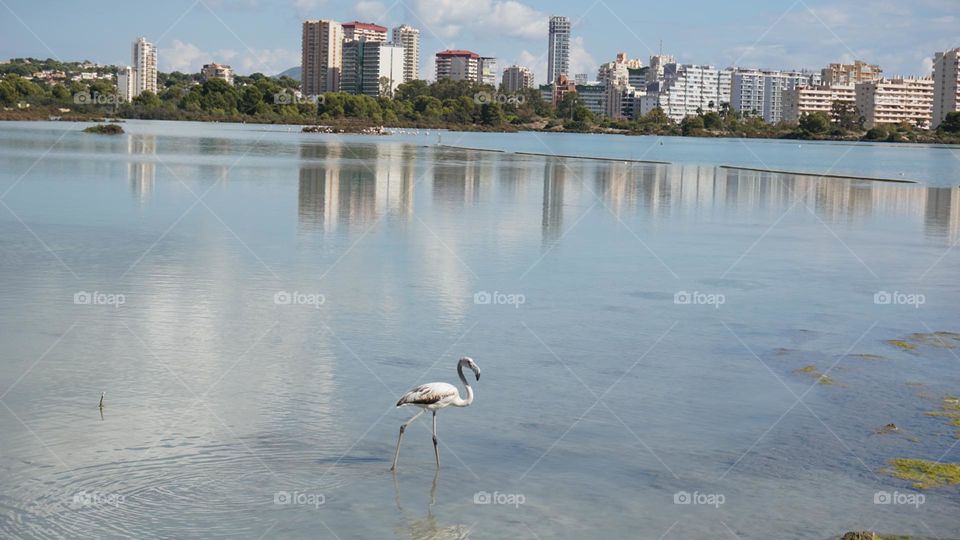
x,y
264,35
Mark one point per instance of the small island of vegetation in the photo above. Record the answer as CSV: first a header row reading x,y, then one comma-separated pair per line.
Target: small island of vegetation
x,y
105,129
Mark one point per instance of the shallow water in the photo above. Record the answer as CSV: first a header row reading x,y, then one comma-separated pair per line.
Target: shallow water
x,y
602,399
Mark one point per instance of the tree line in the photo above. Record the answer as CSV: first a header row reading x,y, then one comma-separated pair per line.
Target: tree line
x,y
445,103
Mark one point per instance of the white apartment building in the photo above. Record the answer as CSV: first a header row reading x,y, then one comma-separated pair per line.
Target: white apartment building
x,y
558,48
809,99
144,67
657,64
594,97
946,85
516,78
217,71
848,74
896,100
125,82
776,83
488,70
362,31
372,68
616,72
459,65
408,37
321,56
759,92
689,89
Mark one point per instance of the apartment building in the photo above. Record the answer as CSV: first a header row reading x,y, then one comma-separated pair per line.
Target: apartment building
x,y
516,78
689,89
759,92
847,74
361,31
321,56
458,65
408,37
809,99
217,71
946,85
896,100
125,82
558,48
488,70
144,66
371,68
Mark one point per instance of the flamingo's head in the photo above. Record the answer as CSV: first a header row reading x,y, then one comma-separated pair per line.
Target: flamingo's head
x,y
466,361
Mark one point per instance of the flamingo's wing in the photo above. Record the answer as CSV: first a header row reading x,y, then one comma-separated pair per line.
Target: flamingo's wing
x,y
428,394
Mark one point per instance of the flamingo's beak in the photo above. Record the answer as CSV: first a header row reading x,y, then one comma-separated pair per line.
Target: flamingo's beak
x,y
478,375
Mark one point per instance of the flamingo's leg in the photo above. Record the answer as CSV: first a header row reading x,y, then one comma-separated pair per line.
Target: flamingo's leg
x,y
403,427
436,451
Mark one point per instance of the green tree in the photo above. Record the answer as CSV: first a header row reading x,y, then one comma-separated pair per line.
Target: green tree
x,y
817,122
691,124
250,100
571,107
147,100
712,120
846,116
491,114
410,91
950,124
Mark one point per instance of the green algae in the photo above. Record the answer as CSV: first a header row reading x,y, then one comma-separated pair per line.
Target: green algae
x,y
925,474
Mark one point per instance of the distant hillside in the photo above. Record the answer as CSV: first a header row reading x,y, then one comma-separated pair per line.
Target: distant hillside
x,y
293,73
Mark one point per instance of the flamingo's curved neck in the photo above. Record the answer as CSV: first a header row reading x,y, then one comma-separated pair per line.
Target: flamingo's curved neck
x,y
463,402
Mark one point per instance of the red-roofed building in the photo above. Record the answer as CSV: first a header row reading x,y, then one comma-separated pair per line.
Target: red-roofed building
x,y
458,65
362,31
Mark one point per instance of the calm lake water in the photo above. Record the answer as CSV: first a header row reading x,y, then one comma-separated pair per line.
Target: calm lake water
x,y
254,300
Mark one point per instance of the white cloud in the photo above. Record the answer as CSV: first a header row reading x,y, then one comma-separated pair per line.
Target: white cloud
x,y
537,63
188,58
581,61
370,10
185,57
489,18
304,7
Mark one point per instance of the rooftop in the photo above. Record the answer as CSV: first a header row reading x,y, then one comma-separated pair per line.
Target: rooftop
x,y
365,26
458,52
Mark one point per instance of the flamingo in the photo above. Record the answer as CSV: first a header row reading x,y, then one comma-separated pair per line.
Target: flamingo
x,y
433,397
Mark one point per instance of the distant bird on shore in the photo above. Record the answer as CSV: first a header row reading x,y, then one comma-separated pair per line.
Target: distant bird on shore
x,y
433,397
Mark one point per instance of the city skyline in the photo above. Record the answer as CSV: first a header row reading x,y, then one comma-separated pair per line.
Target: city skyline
x,y
255,35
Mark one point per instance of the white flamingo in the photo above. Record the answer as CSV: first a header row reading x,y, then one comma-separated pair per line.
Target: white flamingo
x,y
433,397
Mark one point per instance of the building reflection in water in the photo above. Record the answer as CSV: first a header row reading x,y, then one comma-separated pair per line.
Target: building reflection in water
x,y
459,176
554,178
354,185
942,216
141,169
361,183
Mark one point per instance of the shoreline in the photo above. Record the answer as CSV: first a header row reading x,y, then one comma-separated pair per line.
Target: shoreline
x,y
349,126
